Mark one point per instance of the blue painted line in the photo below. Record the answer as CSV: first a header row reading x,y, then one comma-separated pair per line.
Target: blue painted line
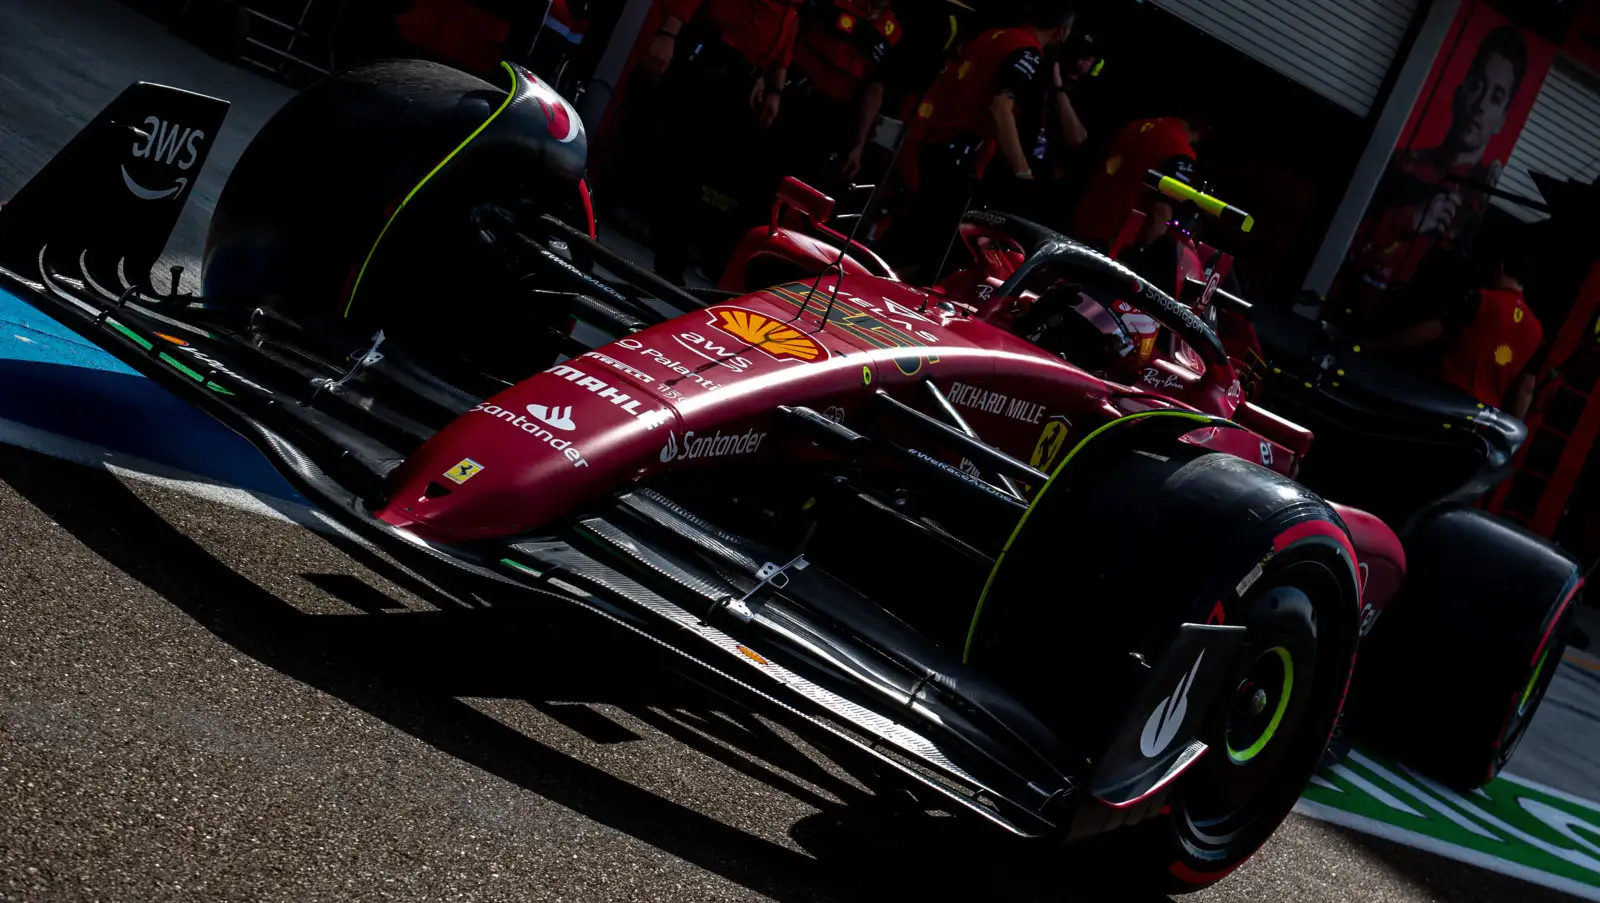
x,y
55,380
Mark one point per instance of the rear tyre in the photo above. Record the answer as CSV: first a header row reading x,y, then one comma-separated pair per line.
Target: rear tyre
x,y
1108,567
1458,664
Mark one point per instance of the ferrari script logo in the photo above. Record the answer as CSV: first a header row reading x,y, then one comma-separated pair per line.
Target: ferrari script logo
x,y
1162,727
775,337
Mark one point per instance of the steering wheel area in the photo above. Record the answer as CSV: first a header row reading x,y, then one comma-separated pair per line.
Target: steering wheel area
x,y
1096,313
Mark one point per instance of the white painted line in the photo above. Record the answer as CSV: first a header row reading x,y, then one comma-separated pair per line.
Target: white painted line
x,y
1443,848
1439,805
1551,791
1378,793
147,471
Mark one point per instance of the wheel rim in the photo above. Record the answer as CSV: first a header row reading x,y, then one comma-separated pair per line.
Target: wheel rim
x,y
1233,789
1527,702
1259,705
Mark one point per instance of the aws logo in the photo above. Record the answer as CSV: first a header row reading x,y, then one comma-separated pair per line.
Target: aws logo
x,y
776,338
166,144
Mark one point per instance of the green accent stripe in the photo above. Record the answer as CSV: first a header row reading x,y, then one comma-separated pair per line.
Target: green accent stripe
x,y
218,389
521,567
138,339
1522,706
511,94
972,631
1277,715
182,367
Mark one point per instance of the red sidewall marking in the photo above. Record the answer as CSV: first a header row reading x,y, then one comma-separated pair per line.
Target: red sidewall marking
x,y
1187,875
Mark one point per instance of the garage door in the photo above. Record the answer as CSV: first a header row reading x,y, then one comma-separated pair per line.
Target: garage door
x,y
1561,139
1341,49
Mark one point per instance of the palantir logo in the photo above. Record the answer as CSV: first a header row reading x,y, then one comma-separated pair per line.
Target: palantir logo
x,y
167,144
1164,722
560,418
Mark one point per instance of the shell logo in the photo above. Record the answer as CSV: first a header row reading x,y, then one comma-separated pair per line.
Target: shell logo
x,y
1113,164
926,110
847,22
774,337
1503,355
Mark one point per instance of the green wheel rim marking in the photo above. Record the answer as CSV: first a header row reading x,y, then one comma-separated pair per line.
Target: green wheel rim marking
x,y
1527,692
972,630
1277,716
511,93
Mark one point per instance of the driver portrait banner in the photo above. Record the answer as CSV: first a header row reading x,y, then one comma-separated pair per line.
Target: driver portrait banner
x,y
1462,129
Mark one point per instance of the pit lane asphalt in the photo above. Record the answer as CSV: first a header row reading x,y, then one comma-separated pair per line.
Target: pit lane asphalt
x,y
198,703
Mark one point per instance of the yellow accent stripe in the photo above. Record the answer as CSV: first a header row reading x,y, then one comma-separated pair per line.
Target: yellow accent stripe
x,y
510,94
972,631
1177,190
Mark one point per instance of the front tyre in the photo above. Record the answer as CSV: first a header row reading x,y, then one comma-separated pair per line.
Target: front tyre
x,y
1097,581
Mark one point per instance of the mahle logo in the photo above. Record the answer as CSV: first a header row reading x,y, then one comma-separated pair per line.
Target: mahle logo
x,y
774,337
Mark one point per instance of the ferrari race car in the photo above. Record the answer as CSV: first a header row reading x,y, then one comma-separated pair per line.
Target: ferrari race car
x,y
1465,633
1084,613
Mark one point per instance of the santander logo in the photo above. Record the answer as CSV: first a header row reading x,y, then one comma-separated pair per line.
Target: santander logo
x,y
560,418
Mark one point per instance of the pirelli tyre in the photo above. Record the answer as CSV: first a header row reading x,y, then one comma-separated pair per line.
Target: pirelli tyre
x,y
1455,669
1121,548
361,205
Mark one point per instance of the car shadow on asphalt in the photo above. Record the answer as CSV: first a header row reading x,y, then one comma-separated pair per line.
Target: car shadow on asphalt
x,y
412,669
1449,880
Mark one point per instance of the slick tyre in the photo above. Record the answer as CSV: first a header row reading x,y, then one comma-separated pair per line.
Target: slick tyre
x,y
1454,670
316,185
1098,579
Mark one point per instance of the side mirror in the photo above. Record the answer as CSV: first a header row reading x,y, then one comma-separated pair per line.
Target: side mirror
x,y
797,195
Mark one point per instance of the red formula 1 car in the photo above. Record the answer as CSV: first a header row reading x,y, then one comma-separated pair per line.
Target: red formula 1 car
x,y
1468,650
1080,612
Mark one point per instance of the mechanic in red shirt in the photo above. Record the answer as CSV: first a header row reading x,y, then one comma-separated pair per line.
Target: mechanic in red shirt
x,y
840,66
1488,341
964,122
1118,186
725,64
